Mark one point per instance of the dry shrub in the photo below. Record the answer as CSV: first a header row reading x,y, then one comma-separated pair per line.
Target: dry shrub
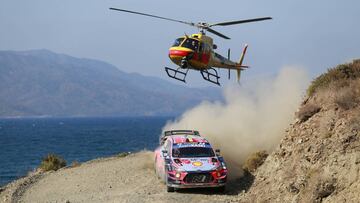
x,y
307,111
340,75
52,162
123,154
346,98
75,164
255,160
319,185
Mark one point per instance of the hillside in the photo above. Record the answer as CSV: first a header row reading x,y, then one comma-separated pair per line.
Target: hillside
x,y
318,160
43,83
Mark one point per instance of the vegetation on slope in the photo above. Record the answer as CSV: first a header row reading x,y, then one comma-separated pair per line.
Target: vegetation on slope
x,y
52,162
340,76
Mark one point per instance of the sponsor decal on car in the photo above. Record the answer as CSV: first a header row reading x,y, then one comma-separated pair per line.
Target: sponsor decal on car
x,y
193,144
197,163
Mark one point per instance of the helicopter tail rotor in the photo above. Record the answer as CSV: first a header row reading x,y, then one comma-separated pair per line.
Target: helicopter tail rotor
x,y
238,74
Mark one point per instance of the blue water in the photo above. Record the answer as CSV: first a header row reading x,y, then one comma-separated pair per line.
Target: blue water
x,y
23,142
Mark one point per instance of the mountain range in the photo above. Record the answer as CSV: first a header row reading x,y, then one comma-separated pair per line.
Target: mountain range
x,y
44,83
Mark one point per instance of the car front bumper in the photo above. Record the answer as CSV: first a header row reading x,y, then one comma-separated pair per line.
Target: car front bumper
x,y
187,183
196,185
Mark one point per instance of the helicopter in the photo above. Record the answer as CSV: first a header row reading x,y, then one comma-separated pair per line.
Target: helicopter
x,y
196,51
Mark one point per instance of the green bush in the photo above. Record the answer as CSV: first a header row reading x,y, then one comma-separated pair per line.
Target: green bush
x,y
255,160
339,76
52,162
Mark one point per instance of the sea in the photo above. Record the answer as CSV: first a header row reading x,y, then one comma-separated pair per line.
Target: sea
x,y
25,141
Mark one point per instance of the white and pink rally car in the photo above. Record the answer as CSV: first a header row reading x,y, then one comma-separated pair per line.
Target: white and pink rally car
x,y
184,159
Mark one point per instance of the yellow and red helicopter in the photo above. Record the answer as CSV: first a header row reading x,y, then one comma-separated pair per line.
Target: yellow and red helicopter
x,y
196,51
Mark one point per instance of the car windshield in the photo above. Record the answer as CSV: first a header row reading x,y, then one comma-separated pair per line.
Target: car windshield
x,y
191,44
178,42
187,152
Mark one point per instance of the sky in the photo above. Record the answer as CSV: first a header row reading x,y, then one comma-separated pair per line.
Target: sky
x,y
313,35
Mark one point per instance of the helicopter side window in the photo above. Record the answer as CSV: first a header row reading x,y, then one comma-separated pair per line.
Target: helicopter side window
x,y
191,44
178,42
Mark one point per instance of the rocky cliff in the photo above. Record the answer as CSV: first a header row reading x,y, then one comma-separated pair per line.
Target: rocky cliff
x,y
318,160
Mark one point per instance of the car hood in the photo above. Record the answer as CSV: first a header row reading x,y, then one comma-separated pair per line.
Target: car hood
x,y
197,164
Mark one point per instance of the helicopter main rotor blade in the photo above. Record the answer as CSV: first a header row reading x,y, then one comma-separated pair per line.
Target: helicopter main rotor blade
x,y
241,21
154,16
217,33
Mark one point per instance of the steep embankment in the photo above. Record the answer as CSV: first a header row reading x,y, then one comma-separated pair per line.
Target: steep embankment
x,y
319,158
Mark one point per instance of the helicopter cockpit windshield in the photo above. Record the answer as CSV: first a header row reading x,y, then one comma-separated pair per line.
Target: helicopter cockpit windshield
x,y
178,42
191,44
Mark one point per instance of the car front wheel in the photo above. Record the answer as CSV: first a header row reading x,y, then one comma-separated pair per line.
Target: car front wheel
x,y
221,189
170,189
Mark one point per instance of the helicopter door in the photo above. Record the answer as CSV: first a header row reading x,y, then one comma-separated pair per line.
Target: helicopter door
x,y
201,50
204,53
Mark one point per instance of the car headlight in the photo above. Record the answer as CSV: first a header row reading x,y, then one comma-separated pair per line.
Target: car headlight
x,y
223,165
178,172
220,167
219,170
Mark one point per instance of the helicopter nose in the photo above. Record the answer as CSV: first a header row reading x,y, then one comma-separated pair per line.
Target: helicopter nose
x,y
178,53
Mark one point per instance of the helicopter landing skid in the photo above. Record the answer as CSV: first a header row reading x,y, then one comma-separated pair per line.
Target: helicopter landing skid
x,y
211,77
172,73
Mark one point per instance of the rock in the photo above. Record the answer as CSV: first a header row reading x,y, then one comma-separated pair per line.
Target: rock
x,y
293,189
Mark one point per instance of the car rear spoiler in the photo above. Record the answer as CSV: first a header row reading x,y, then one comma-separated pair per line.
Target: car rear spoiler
x,y
177,132
181,132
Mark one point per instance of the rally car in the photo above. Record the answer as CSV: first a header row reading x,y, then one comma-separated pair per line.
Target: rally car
x,y
184,159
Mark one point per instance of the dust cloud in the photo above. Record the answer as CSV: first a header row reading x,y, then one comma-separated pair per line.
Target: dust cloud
x,y
250,118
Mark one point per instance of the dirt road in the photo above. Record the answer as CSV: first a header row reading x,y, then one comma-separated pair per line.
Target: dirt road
x,y
115,179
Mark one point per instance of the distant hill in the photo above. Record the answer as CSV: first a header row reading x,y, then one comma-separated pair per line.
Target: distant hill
x,y
43,83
